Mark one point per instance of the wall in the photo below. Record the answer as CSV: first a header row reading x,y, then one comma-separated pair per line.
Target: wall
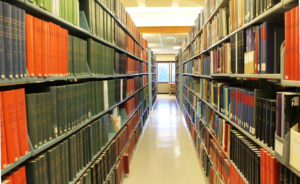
x,y
164,87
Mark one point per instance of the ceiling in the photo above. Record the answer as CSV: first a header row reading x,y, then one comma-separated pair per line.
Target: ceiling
x,y
163,3
161,14
164,43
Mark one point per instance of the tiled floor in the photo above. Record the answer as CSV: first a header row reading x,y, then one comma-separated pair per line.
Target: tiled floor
x,y
165,154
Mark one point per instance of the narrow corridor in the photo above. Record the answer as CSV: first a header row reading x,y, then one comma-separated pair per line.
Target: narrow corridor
x,y
165,154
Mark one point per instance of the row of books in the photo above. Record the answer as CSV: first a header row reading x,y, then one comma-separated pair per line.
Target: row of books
x,y
48,50
242,12
255,50
100,22
100,58
12,44
253,110
61,163
45,114
67,10
292,50
215,30
78,56
265,168
199,66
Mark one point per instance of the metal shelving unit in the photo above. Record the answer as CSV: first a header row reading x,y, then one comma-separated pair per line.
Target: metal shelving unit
x,y
76,30
131,136
51,143
34,80
243,177
259,76
220,5
195,75
78,176
254,139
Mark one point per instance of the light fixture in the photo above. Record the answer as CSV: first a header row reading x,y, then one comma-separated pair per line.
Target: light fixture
x,y
177,47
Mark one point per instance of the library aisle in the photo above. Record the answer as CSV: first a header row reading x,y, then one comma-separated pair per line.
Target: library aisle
x,y
165,153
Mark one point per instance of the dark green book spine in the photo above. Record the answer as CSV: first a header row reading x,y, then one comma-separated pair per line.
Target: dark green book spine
x,y
62,163
40,128
32,172
70,55
32,119
70,156
51,169
53,109
66,162
57,161
44,166
44,125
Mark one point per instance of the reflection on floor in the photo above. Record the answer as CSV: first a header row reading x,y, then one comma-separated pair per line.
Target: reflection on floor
x,y
165,154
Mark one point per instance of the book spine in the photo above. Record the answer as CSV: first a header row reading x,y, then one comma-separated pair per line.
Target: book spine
x,y
2,49
22,121
3,137
7,22
10,124
29,44
14,34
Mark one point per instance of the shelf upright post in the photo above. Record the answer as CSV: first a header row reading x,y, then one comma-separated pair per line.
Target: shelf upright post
x,y
150,80
180,81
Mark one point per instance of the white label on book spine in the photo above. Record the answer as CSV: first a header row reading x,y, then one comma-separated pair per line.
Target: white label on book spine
x,y
105,91
278,147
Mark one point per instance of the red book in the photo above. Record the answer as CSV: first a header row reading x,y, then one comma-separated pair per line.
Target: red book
x,y
297,77
51,49
19,177
37,27
3,138
44,49
10,126
29,45
22,121
56,57
261,166
8,180
293,44
288,66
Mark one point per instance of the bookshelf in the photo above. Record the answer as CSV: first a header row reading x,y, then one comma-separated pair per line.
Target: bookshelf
x,y
197,93
136,99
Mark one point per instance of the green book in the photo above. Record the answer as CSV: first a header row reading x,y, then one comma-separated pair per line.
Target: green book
x,y
66,163
51,168
40,124
44,169
44,126
53,117
57,163
70,55
32,172
32,119
62,168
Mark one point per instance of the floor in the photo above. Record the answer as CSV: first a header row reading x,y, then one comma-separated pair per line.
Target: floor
x,y
165,153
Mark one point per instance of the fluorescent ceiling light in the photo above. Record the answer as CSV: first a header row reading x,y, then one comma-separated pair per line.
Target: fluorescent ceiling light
x,y
163,9
177,47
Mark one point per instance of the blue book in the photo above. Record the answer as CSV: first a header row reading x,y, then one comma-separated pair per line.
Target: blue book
x,y
7,15
14,33
2,61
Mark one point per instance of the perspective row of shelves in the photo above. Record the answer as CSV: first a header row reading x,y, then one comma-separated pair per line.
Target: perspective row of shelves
x,y
279,8
257,141
119,157
49,144
245,180
220,5
35,80
253,76
76,30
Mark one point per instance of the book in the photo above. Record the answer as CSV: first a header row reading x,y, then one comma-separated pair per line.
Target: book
x,y
10,126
